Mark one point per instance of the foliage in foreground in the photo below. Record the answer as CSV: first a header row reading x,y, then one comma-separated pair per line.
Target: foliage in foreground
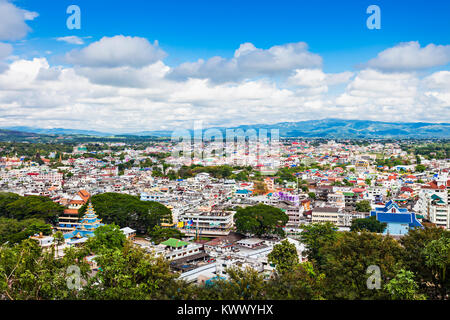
x,y
414,268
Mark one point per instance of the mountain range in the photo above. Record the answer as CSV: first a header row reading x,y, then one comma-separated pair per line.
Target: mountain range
x,y
58,131
326,128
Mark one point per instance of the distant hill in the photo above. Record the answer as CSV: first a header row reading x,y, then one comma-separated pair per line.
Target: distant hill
x,y
337,128
13,135
157,133
60,131
326,128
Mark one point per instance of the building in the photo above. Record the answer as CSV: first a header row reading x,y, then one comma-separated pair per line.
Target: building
x,y
128,232
176,249
438,211
204,223
433,202
399,221
85,228
250,243
68,221
325,214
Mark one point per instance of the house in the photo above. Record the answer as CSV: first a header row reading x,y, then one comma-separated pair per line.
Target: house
x,y
250,243
242,193
399,221
176,249
129,233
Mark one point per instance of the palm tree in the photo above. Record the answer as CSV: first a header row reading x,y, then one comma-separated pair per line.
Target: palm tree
x,y
58,239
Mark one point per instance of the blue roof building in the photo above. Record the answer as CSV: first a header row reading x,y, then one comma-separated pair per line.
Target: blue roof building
x,y
243,193
399,221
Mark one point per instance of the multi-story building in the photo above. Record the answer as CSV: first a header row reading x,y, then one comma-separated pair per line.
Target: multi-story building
x,y
206,223
336,200
438,211
433,203
176,249
68,221
325,214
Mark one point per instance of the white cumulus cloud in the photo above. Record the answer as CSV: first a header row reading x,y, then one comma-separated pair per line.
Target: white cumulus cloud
x,y
108,91
250,62
410,56
117,51
12,21
5,51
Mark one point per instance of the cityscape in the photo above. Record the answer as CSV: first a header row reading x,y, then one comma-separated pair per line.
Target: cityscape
x,y
129,172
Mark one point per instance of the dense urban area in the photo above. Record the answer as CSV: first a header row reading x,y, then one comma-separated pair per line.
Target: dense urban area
x,y
309,219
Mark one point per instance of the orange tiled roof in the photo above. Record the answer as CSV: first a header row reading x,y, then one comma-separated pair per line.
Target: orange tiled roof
x,y
84,195
433,185
71,211
77,202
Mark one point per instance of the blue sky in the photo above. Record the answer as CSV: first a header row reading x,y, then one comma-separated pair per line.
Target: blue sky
x,y
189,30
223,62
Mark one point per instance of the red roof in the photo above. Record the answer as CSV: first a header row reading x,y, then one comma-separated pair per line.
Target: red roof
x,y
84,195
71,211
433,185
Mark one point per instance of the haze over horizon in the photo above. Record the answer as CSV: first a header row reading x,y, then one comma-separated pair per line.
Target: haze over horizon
x,y
132,68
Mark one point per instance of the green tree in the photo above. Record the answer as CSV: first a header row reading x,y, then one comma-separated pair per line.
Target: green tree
x,y
58,239
315,236
302,282
284,256
14,231
34,207
129,211
29,273
363,206
5,199
132,273
346,262
420,168
261,220
416,260
403,287
312,195
106,237
418,160
369,224
437,257
159,234
242,284
260,187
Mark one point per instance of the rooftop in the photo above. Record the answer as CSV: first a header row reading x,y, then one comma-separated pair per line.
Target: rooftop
x,y
175,243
